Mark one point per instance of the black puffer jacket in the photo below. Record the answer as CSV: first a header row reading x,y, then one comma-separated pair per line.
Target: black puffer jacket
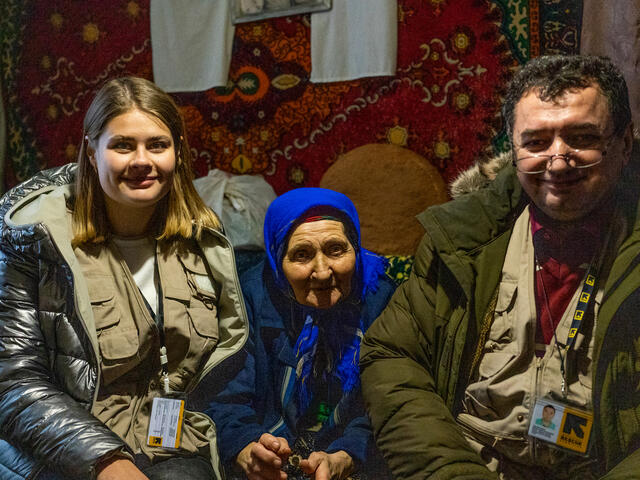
x,y
48,365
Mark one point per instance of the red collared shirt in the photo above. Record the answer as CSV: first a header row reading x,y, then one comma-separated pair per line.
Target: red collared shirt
x,y
563,254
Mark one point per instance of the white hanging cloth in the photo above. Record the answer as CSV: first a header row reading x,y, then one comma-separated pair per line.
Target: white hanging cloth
x,y
191,42
355,39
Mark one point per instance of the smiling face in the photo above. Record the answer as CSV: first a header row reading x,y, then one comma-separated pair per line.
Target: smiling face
x,y
576,118
547,414
135,160
319,263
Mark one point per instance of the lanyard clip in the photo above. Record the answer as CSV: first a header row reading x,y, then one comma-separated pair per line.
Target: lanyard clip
x,y
164,365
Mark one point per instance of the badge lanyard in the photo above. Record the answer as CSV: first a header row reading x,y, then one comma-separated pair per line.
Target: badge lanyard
x,y
164,361
568,428
167,413
586,293
158,319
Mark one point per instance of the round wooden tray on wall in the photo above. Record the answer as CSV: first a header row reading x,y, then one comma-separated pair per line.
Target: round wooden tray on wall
x,y
389,186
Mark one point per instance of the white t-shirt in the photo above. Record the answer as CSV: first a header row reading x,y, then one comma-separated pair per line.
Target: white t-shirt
x,y
139,255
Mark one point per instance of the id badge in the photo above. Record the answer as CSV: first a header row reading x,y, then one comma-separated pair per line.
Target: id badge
x,y
564,426
165,424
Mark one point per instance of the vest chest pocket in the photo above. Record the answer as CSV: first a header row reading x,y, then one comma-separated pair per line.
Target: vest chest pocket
x,y
202,311
504,316
203,306
499,349
117,333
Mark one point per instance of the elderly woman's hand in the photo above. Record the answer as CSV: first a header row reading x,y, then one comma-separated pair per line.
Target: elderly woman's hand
x,y
263,460
328,466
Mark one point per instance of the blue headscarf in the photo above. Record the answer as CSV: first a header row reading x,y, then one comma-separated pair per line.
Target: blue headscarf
x,y
288,209
343,337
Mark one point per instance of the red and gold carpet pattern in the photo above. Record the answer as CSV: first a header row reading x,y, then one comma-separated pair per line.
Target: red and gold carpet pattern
x,y
453,61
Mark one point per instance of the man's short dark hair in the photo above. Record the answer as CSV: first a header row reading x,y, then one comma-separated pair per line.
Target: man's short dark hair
x,y
553,75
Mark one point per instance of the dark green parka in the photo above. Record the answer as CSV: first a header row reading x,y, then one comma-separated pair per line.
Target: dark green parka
x,y
417,358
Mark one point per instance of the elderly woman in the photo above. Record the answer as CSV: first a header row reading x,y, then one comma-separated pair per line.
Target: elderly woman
x,y
308,307
118,296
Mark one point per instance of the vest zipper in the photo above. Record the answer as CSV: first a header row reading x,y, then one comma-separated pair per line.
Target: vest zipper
x,y
533,442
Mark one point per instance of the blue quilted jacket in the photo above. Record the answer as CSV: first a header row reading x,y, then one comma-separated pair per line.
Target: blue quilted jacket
x,y
259,398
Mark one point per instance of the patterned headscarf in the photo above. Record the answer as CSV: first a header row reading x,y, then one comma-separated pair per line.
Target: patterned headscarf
x,y
344,334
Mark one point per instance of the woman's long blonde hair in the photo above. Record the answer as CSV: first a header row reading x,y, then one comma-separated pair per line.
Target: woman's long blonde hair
x,y
181,212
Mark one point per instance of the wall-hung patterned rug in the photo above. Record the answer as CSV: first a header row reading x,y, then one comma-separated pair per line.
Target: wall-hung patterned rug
x,y
453,60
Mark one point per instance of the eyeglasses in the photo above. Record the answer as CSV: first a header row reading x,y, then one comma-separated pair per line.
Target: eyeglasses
x,y
575,158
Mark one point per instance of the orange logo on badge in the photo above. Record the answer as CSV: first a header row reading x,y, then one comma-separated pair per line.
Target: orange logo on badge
x,y
575,430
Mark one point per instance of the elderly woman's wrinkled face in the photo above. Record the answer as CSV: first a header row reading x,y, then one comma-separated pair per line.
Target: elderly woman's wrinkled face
x,y
319,263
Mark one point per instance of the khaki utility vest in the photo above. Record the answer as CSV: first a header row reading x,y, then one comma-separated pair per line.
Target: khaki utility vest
x,y
499,401
129,339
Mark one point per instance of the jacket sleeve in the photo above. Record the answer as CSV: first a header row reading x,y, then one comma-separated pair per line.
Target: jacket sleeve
x,y
627,468
357,440
36,415
414,429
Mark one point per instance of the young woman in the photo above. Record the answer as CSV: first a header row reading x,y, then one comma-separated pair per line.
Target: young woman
x,y
118,295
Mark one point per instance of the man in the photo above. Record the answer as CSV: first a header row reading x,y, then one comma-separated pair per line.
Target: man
x,y
546,420
523,292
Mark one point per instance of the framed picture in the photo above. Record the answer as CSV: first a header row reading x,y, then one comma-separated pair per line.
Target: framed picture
x,y
252,10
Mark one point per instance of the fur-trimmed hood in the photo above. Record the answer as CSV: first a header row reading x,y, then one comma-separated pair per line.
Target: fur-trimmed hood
x,y
479,175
